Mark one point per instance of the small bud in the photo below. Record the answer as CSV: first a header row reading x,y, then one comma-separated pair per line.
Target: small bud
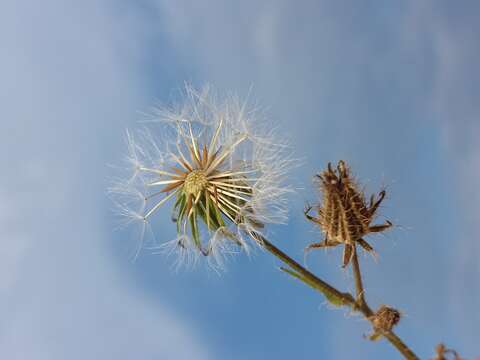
x,y
442,353
384,319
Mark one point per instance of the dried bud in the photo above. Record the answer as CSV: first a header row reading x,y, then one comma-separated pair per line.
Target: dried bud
x,y
345,216
384,319
442,353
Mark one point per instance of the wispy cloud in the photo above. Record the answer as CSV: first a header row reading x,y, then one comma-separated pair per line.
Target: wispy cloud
x,y
394,89
450,33
67,84
368,82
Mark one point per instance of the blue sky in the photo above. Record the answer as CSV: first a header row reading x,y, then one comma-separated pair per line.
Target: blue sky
x,y
392,89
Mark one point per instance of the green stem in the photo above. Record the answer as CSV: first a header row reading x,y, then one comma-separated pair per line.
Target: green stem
x,y
360,291
306,276
367,312
333,295
400,346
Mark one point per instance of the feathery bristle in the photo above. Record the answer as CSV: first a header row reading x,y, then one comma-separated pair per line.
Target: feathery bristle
x,y
223,171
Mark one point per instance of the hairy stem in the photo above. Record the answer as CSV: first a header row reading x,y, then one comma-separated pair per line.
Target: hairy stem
x,y
332,294
306,276
400,346
360,296
367,311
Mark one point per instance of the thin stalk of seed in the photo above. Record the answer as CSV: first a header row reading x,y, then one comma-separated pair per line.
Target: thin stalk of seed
x,y
230,174
220,184
160,203
225,153
182,161
237,191
159,172
164,182
194,143
215,136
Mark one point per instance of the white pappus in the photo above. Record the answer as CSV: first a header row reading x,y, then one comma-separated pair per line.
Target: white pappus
x,y
217,165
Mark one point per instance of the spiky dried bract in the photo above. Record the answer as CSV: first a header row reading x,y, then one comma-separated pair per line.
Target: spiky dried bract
x,y
344,215
384,319
221,168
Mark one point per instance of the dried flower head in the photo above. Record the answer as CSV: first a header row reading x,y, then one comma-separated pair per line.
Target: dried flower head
x,y
384,319
220,167
344,215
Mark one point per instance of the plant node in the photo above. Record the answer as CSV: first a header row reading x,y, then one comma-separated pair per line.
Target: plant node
x,y
384,319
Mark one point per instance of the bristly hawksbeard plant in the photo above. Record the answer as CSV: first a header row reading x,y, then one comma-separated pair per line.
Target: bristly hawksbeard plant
x,y
221,168
222,171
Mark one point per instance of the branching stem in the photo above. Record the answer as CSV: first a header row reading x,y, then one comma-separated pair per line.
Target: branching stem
x,y
367,311
332,294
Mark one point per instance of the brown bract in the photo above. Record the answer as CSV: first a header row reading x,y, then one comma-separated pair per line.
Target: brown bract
x,y
443,353
384,319
344,215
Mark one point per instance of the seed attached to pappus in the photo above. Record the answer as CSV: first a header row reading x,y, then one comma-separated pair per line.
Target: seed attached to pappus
x,y
344,215
219,169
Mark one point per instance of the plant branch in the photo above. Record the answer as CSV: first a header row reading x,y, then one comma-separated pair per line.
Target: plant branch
x,y
367,311
400,346
335,296
360,291
332,294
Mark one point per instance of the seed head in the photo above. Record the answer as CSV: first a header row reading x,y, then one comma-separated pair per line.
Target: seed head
x,y
195,182
344,215
221,167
